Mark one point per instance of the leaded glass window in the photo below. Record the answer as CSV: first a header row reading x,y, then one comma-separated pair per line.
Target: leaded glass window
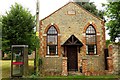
x,y
91,40
52,36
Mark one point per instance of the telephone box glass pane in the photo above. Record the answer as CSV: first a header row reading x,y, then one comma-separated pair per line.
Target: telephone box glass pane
x,y
17,62
17,70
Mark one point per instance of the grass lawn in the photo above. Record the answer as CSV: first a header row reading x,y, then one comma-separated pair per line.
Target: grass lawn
x,y
76,76
6,68
6,64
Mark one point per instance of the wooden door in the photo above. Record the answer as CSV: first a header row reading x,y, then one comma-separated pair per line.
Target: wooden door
x,y
72,64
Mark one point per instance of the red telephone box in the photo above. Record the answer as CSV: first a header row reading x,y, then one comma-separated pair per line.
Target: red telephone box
x,y
19,60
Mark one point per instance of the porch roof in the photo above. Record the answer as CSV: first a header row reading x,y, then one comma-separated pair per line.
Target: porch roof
x,y
72,40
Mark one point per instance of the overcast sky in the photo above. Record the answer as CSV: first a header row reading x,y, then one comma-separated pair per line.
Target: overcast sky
x,y
46,6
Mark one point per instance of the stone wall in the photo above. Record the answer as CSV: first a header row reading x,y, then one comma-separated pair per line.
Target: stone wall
x,y
52,66
114,53
93,65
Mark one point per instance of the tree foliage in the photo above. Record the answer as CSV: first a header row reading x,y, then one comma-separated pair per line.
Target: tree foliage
x,y
0,24
108,42
90,6
18,28
113,13
0,32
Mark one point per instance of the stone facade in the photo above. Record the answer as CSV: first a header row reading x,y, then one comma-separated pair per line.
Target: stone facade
x,y
71,19
51,66
114,58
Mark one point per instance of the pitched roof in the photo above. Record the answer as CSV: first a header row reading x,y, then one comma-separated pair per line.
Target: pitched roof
x,y
75,4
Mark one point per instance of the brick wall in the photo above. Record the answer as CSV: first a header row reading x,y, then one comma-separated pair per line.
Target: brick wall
x,y
64,66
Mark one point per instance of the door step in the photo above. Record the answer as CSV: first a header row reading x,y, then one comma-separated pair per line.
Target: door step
x,y
74,73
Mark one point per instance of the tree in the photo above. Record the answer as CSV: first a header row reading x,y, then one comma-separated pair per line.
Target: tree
x,y
4,41
90,6
108,42
0,24
18,28
113,13
0,32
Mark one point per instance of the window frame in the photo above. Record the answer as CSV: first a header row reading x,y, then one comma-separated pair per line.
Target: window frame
x,y
48,34
88,44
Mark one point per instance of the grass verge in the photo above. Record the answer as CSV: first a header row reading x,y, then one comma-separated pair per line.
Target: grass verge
x,y
6,64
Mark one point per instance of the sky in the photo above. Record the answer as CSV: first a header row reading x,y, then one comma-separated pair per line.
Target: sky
x,y
46,6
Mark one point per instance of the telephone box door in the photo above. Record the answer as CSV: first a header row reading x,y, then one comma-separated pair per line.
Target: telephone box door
x,y
17,62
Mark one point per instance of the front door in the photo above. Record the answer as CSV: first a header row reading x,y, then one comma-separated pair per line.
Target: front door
x,y
72,64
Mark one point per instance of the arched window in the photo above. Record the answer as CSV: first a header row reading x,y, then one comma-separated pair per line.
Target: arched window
x,y
52,41
91,40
